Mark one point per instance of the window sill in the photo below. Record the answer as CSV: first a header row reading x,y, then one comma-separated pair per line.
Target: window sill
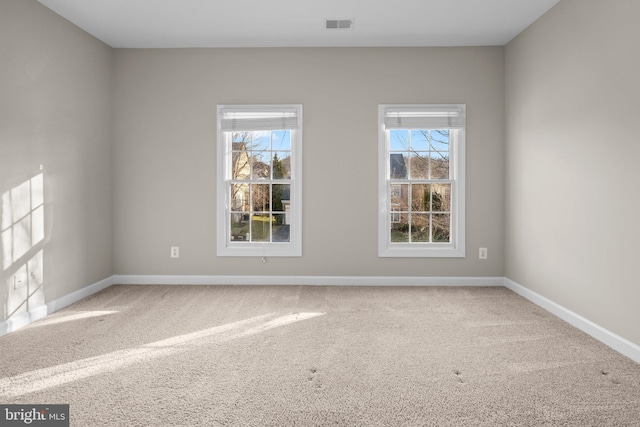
x,y
411,251
259,250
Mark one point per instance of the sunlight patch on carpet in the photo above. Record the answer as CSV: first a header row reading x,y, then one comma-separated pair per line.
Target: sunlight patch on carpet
x,y
41,379
71,318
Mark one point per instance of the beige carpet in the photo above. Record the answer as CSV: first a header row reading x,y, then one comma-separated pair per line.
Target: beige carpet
x,y
302,356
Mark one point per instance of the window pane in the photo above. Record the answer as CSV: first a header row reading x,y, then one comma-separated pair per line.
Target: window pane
x,y
441,198
282,165
419,165
281,140
399,228
241,137
440,140
420,227
400,197
239,227
398,140
420,198
261,141
398,166
439,165
419,140
441,228
280,195
260,197
240,165
239,197
261,164
280,228
260,228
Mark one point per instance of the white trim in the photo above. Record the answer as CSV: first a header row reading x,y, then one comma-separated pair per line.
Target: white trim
x,y
23,319
616,342
307,280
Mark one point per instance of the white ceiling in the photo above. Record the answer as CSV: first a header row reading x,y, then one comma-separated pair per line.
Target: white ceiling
x,y
284,23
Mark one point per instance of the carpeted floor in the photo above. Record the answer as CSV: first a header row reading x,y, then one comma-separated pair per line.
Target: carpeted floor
x,y
317,356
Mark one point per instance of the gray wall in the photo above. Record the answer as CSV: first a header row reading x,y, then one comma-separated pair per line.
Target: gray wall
x,y
572,156
165,137
55,111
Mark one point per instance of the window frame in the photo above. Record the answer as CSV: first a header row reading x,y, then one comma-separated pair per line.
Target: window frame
x,y
225,245
456,247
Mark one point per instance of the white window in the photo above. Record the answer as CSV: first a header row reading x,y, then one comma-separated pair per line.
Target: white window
x,y
421,180
259,180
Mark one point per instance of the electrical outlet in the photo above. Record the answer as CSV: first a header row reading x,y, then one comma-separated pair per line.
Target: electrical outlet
x,y
19,279
483,253
175,252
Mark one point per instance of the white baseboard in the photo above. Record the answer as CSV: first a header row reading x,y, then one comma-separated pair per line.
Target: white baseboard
x,y
23,319
307,280
616,342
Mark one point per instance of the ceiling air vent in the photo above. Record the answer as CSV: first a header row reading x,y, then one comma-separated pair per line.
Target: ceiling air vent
x,y
338,24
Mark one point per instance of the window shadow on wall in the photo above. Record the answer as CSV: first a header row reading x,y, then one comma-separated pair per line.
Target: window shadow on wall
x,y
22,242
